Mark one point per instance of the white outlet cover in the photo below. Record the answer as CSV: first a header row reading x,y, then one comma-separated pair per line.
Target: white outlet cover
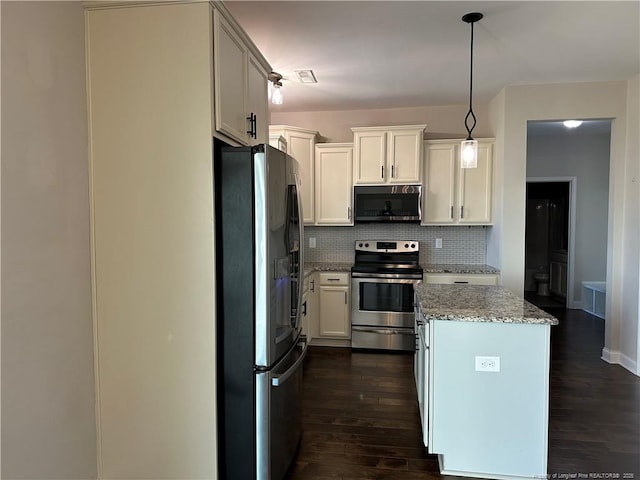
x,y
487,364
438,243
312,242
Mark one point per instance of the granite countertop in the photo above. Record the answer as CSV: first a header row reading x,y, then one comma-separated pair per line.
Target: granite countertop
x,y
310,267
458,268
478,303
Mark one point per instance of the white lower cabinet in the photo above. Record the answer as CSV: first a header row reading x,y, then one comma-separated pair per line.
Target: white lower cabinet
x,y
421,365
463,278
333,305
305,317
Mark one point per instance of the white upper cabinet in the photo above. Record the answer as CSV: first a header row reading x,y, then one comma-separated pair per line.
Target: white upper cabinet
x,y
334,184
240,84
388,154
258,101
475,188
300,144
454,195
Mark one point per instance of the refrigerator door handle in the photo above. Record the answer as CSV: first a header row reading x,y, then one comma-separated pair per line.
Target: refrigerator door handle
x,y
300,272
276,381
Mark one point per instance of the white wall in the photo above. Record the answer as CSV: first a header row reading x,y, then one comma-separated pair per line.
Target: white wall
x,y
48,419
442,122
511,110
629,331
586,157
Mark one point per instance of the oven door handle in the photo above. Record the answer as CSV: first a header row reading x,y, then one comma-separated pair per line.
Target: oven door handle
x,y
390,279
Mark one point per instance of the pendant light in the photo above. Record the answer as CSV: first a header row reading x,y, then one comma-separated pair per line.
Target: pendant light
x,y
469,147
275,88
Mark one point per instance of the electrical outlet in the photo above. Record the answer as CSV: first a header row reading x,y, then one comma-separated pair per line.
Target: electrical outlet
x,y
438,243
487,364
312,242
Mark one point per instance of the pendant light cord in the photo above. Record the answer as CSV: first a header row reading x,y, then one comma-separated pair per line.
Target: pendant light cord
x,y
470,112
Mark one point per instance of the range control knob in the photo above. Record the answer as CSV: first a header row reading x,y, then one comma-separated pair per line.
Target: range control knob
x,y
413,245
366,245
406,245
360,244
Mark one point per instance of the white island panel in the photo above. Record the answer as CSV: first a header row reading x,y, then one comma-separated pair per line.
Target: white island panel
x,y
490,424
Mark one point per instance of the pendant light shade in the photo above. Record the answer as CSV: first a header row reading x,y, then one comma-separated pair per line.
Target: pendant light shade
x,y
275,88
469,154
469,146
276,95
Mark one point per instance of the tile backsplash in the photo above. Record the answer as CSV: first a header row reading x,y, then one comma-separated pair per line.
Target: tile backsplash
x,y
466,245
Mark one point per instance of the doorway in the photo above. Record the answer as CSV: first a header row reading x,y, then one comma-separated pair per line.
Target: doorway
x,y
548,241
579,156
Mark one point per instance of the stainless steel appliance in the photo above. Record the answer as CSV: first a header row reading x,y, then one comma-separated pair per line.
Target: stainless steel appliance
x,y
382,281
258,229
387,203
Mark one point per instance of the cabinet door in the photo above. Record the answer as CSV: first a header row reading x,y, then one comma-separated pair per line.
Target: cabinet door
x,y
334,312
370,152
438,192
304,317
404,155
474,189
230,65
257,85
334,185
312,308
301,146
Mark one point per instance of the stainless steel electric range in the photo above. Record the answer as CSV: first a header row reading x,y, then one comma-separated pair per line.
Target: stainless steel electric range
x,y
382,281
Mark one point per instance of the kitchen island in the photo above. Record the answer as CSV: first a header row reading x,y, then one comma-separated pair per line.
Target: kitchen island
x,y
482,373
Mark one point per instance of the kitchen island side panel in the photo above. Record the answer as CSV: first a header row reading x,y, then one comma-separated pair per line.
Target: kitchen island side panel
x,y
494,423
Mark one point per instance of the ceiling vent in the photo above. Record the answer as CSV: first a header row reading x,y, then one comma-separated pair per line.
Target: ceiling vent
x,y
306,76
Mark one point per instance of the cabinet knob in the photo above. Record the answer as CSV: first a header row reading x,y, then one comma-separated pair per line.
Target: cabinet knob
x,y
345,298
461,211
382,173
393,171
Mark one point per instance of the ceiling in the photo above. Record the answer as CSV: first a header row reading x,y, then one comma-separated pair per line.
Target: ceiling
x,y
385,54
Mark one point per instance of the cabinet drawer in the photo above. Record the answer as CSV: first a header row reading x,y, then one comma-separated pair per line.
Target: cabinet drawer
x,y
471,279
334,278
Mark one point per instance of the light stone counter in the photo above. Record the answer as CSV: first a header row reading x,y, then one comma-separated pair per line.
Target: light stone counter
x,y
478,303
459,268
311,267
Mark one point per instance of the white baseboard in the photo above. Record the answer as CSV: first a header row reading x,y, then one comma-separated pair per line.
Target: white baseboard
x,y
330,342
575,305
492,476
616,357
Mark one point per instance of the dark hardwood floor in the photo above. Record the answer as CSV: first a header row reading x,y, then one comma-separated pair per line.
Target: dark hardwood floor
x,y
360,413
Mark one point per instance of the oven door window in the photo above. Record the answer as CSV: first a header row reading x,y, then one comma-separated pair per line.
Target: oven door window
x,y
386,297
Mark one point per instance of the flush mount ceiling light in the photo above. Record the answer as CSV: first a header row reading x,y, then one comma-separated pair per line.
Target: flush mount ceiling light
x,y
469,147
306,76
572,123
275,88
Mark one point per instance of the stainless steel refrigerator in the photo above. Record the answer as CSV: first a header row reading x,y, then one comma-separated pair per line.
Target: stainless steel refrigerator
x,y
259,265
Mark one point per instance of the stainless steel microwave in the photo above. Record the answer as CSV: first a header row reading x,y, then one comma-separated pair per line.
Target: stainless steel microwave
x,y
388,203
